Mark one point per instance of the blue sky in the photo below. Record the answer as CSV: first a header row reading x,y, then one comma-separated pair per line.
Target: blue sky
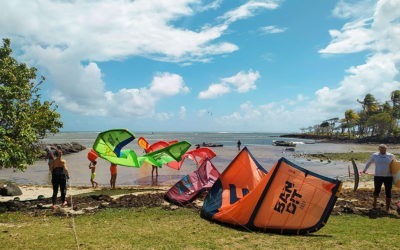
x,y
215,65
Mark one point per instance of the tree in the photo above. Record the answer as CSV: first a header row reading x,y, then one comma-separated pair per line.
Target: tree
x,y
324,126
395,97
24,118
350,119
369,104
382,122
332,124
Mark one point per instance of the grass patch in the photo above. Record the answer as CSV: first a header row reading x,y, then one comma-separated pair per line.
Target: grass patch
x,y
357,156
157,228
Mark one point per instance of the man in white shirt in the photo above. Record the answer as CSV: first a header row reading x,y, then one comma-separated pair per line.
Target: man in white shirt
x,y
382,160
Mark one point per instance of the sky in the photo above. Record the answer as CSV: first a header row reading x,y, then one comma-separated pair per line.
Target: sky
x,y
211,65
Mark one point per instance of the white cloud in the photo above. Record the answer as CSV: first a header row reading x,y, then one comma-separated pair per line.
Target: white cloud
x,y
247,10
376,76
68,39
271,116
182,112
214,91
354,37
167,84
356,9
214,4
373,27
272,29
242,82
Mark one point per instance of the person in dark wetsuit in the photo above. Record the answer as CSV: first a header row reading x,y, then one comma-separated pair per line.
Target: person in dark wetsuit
x,y
59,178
238,145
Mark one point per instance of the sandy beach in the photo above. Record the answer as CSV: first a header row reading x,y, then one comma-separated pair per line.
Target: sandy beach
x,y
36,180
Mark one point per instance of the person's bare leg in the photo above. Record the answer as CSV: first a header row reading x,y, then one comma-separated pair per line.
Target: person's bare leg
x,y
388,201
114,179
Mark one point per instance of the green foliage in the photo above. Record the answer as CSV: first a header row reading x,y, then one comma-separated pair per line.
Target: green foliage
x,y
24,118
324,124
374,119
381,121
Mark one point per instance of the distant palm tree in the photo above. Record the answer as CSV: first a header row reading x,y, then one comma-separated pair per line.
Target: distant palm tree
x,y
350,120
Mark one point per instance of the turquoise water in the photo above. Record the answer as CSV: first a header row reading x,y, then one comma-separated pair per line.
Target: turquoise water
x,y
227,139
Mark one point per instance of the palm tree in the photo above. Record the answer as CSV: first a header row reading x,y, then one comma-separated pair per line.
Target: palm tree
x,y
369,104
395,97
350,120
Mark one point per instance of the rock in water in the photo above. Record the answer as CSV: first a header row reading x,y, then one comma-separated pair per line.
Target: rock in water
x,y
9,189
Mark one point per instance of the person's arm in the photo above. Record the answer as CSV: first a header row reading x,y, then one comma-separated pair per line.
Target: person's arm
x,y
370,161
66,169
52,166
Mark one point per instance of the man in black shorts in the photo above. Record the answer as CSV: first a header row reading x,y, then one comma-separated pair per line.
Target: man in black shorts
x,y
382,160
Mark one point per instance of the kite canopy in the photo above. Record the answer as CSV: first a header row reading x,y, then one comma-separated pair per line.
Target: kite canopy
x,y
190,186
165,155
109,146
110,142
143,143
289,199
198,155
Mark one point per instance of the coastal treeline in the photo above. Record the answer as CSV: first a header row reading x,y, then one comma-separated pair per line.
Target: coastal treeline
x,y
374,119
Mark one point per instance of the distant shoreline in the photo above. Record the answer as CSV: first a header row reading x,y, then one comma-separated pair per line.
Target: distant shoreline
x,y
337,139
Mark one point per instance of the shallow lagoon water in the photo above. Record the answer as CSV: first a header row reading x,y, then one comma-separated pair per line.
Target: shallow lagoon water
x,y
259,144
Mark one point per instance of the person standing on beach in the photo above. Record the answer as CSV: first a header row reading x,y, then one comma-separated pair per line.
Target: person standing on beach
x,y
382,160
60,175
92,167
238,145
113,171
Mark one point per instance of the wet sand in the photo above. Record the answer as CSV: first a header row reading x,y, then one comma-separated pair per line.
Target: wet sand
x,y
267,155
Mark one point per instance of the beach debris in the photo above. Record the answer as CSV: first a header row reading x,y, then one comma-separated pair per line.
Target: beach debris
x,y
104,205
60,211
8,188
360,202
398,207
